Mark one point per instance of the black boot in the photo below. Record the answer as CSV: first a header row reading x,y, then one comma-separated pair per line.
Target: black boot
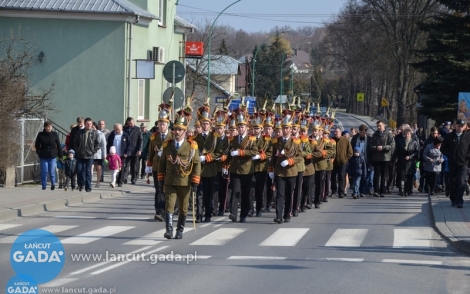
x,y
180,228
169,226
400,188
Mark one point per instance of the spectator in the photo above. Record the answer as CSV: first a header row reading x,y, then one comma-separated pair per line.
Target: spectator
x,y
102,128
381,147
67,138
48,149
432,135
73,132
362,140
353,132
115,164
357,169
86,143
433,160
444,129
61,165
70,170
343,154
100,156
145,149
456,147
407,153
121,142
132,160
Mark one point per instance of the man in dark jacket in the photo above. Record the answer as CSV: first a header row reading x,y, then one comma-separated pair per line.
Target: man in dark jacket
x,y
145,149
121,141
86,144
132,160
361,140
343,153
381,146
74,131
456,147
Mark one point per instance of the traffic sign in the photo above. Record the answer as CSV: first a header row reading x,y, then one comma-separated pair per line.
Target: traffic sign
x,y
384,102
178,97
175,67
360,97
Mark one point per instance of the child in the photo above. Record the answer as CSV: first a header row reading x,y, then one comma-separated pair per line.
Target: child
x,y
433,160
61,166
70,169
115,164
357,170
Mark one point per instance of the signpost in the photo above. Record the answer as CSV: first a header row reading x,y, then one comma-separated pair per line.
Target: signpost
x,y
384,102
360,97
174,72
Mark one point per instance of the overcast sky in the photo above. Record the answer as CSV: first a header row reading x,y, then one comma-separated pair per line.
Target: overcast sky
x,y
261,15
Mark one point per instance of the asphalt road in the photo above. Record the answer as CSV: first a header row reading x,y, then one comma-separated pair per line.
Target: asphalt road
x,y
368,245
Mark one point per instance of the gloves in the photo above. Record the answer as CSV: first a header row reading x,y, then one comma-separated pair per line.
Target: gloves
x,y
202,158
234,153
194,185
162,184
282,152
284,163
148,170
224,171
271,175
159,153
256,157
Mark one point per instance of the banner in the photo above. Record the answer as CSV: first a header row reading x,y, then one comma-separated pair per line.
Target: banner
x,y
464,106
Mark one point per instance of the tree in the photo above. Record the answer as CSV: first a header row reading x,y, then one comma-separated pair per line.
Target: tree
x,y
445,62
17,99
223,48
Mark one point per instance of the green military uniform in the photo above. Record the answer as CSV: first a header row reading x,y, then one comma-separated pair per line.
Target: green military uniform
x,y
179,170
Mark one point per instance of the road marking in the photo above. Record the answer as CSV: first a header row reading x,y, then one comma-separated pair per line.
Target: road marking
x,y
205,225
8,226
95,235
405,261
138,251
344,259
152,238
125,262
219,237
52,228
129,218
75,216
412,238
257,257
58,282
202,257
347,238
285,237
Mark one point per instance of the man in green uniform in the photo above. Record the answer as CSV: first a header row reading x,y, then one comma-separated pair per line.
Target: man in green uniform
x,y
179,172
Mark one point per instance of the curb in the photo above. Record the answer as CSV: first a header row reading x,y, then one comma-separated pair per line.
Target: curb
x,y
441,227
34,209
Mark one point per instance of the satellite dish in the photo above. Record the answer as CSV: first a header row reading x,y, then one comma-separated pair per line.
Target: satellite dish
x,y
178,97
168,71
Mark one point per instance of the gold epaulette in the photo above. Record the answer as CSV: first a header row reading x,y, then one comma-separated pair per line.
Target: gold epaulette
x,y
252,138
296,140
313,141
166,143
192,138
267,138
193,144
304,139
153,136
327,140
215,134
333,142
274,140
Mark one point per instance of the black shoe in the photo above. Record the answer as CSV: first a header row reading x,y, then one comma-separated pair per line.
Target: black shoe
x,y
296,213
80,188
287,220
401,194
243,220
361,195
101,180
180,227
371,192
268,209
325,200
207,220
382,195
420,190
258,213
133,182
308,206
124,181
60,187
302,209
119,185
169,226
263,210
250,214
467,190
198,220
432,193
158,217
317,205
277,220
52,188
333,195
44,188
376,195
88,190
453,204
459,205
354,196
232,218
221,213
389,191
340,196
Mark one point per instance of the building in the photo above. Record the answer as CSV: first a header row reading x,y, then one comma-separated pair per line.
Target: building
x,y
88,50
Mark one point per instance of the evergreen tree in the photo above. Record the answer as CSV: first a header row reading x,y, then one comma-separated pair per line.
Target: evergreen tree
x,y
445,61
223,48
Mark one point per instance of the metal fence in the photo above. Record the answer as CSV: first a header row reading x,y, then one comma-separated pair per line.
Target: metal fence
x,y
28,170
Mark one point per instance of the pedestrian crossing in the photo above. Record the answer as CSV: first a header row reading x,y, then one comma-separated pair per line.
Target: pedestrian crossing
x,y
397,237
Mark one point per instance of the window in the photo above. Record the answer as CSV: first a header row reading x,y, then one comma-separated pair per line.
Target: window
x,y
141,99
161,12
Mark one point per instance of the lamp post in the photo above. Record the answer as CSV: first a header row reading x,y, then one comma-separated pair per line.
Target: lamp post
x,y
254,62
209,55
282,63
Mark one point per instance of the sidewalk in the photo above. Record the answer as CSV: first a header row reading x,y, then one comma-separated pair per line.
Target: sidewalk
x,y
451,222
31,199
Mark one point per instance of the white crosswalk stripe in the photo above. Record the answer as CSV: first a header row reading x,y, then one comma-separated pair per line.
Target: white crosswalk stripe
x,y
347,238
152,238
285,237
219,237
54,229
412,238
95,235
8,226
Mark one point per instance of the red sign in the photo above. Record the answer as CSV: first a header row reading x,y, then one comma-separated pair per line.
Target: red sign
x,y
194,48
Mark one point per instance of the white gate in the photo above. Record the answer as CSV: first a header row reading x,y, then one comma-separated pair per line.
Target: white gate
x,y
28,169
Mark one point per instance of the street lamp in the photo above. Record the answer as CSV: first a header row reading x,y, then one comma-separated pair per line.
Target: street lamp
x,y
254,62
282,63
209,57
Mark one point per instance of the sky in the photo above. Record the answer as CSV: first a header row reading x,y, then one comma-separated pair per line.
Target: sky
x,y
261,15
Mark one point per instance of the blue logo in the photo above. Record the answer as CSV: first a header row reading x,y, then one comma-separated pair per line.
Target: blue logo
x,y
22,284
38,254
